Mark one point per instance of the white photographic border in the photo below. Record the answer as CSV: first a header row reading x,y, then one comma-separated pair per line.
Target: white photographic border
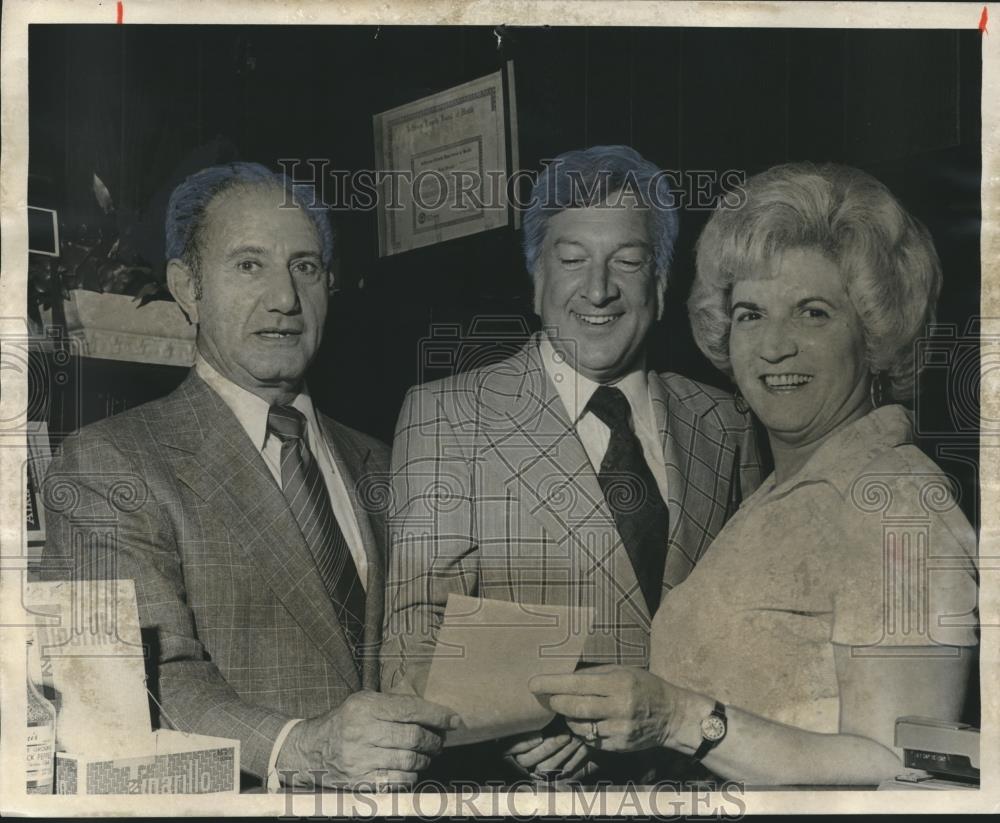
x,y
17,16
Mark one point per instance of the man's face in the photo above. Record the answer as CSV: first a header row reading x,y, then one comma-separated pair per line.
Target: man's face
x,y
264,291
596,288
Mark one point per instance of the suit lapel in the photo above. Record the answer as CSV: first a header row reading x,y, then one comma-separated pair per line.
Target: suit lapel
x,y
692,455
350,459
554,478
675,455
226,471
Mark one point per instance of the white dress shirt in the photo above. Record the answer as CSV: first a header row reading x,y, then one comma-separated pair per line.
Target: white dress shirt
x,y
575,391
251,411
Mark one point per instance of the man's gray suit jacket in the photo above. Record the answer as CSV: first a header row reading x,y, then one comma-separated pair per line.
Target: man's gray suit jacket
x,y
242,632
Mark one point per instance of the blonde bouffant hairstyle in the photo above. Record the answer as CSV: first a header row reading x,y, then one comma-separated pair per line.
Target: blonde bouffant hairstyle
x,y
887,258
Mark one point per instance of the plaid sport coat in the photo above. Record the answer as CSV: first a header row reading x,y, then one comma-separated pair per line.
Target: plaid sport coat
x,y
494,495
241,628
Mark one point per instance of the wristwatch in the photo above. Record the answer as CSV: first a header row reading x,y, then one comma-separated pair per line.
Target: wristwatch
x,y
713,729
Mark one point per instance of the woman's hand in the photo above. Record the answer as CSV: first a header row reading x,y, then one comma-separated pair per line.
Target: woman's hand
x,y
628,708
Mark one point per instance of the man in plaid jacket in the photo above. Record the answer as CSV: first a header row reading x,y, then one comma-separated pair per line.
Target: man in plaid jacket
x,y
249,521
567,473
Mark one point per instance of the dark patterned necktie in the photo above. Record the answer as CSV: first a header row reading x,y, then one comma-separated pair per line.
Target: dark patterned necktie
x,y
308,498
632,494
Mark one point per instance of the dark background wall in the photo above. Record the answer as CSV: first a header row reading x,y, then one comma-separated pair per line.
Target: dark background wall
x,y
142,106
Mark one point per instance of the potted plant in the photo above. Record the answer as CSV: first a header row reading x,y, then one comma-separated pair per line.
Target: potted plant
x,y
102,293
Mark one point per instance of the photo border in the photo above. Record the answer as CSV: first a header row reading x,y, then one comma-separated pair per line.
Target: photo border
x,y
19,14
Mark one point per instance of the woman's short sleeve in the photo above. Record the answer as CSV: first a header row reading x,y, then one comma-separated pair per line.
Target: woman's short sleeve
x,y
905,574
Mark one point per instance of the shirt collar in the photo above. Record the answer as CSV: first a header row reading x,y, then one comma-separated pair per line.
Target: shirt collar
x,y
847,451
250,409
575,390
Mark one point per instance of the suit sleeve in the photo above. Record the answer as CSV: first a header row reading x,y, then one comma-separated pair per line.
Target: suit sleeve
x,y
433,546
96,482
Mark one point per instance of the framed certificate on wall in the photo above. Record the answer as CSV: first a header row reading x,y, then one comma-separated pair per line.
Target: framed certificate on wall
x,y
444,162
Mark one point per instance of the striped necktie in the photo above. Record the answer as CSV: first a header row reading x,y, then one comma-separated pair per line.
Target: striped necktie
x,y
308,498
632,494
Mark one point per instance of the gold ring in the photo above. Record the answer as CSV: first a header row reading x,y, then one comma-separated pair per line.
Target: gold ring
x,y
592,737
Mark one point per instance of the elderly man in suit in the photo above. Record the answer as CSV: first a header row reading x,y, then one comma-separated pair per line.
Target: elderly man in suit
x,y
258,567
568,473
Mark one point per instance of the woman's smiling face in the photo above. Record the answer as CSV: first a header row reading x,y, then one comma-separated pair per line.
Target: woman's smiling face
x,y
797,349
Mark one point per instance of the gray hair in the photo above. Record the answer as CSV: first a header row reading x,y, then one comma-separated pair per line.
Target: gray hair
x,y
887,259
190,200
586,177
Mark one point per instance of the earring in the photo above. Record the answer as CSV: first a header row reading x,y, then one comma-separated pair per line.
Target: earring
x,y
876,390
740,402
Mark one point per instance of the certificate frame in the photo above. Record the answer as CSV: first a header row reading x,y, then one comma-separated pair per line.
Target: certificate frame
x,y
464,134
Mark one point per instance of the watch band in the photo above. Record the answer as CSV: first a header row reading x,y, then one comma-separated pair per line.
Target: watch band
x,y
713,730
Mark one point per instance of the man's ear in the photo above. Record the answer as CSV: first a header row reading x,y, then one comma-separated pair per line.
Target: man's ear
x,y
182,285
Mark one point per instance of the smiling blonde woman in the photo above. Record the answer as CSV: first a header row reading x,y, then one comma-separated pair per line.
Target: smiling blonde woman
x,y
813,621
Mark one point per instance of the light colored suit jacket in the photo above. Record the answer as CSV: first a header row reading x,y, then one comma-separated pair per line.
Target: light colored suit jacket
x,y
242,631
494,496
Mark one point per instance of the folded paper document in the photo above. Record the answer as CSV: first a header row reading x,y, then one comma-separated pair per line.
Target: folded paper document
x,y
488,650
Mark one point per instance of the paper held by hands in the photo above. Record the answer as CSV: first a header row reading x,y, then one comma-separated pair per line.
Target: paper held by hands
x,y
488,650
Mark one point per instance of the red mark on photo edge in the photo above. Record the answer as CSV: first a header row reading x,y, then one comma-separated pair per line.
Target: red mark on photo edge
x,y
121,12
983,19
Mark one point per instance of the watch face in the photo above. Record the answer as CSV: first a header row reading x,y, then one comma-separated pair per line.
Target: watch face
x,y
713,728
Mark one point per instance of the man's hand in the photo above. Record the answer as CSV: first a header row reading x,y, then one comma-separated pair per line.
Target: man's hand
x,y
561,757
371,739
